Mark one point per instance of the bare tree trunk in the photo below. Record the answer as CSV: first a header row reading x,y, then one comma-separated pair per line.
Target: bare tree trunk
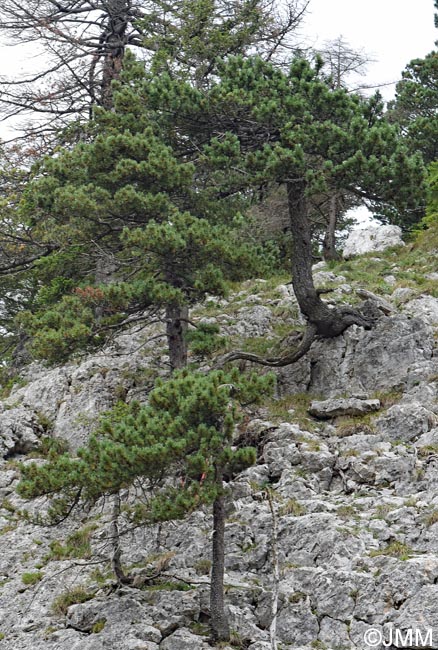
x,y
329,244
116,563
219,623
322,321
113,43
329,322
276,567
176,329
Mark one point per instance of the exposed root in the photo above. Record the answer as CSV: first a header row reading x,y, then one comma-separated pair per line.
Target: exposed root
x,y
274,362
332,324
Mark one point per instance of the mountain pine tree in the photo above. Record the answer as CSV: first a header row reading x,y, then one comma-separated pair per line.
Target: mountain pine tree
x,y
177,450
259,125
127,203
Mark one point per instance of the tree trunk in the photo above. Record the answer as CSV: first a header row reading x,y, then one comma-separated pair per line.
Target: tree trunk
x,y
276,567
176,329
113,43
219,622
322,321
329,322
329,244
116,563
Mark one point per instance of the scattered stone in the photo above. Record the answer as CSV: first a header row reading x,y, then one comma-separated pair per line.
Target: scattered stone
x,y
406,422
402,295
332,408
423,307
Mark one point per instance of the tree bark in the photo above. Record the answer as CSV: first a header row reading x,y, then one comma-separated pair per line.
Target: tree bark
x,y
329,251
113,43
322,321
176,329
116,563
328,322
219,623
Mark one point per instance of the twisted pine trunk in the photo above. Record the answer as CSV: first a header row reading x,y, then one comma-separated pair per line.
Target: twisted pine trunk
x,y
176,330
322,321
328,322
219,623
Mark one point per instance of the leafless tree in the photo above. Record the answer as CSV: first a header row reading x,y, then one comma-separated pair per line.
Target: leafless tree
x,y
81,45
344,66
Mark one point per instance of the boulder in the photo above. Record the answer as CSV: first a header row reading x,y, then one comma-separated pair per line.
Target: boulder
x,y
20,430
332,408
373,238
406,422
424,307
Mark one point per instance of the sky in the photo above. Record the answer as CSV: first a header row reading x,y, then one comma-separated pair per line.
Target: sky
x,y
392,32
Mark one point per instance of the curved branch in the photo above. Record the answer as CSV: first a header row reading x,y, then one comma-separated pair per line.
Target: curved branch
x,y
274,362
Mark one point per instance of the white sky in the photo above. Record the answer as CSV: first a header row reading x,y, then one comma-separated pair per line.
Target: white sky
x,y
392,32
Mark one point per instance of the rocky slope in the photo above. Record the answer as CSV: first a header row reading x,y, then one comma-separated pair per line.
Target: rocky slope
x,y
349,447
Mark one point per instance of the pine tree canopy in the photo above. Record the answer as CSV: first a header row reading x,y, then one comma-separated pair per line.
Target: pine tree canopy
x,y
266,125
168,449
127,201
415,106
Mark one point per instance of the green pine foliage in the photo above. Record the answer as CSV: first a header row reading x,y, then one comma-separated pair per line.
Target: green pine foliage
x,y
126,200
260,124
414,107
173,445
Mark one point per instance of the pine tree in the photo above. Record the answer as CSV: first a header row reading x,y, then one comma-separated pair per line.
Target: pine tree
x,y
260,125
179,448
127,202
84,43
414,107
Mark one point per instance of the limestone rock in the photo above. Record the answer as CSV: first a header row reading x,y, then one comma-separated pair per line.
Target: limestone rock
x,y
333,408
374,238
397,353
423,307
20,430
183,639
405,422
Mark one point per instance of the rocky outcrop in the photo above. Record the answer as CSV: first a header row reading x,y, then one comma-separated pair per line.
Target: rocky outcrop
x,y
372,239
354,479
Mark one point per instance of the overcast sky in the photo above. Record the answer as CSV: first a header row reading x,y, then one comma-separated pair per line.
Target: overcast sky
x,y
393,32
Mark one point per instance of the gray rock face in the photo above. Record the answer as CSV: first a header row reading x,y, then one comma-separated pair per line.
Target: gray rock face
x,y
406,422
395,354
373,238
20,431
423,307
355,503
332,408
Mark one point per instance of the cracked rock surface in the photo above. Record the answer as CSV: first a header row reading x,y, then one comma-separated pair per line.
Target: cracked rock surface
x,y
355,479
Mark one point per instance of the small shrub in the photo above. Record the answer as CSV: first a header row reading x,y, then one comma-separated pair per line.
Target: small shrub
x,y
72,596
291,507
394,549
202,566
431,518
346,512
77,545
98,626
49,448
32,578
297,597
169,586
